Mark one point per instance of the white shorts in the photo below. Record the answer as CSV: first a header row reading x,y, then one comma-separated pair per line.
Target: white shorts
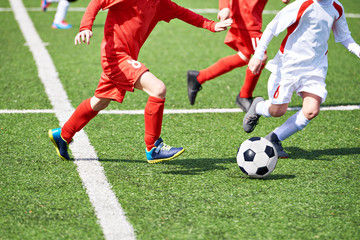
x,y
280,90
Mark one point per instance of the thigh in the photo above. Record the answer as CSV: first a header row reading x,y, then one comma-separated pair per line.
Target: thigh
x,y
150,84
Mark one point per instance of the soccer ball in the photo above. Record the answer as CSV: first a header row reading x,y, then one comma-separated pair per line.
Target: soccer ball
x,y
257,157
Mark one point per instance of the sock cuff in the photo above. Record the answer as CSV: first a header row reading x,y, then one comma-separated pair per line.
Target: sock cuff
x,y
262,108
156,100
301,121
88,107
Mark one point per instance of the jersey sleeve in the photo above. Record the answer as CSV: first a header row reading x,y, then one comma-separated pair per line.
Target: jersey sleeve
x,y
224,4
171,10
285,18
340,27
89,16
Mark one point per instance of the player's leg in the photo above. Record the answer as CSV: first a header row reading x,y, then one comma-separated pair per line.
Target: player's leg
x,y
86,111
156,150
311,105
245,97
46,3
247,45
295,123
222,66
196,78
276,106
61,11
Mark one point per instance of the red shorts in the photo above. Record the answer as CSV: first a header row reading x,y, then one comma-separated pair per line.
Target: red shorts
x,y
117,80
244,41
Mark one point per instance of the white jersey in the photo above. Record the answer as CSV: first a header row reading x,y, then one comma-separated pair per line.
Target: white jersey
x,y
303,51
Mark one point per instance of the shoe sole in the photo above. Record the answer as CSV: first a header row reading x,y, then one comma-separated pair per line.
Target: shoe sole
x,y
55,145
247,113
166,159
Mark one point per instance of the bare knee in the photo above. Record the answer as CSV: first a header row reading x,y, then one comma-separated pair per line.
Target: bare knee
x,y
310,113
151,85
159,90
311,105
98,104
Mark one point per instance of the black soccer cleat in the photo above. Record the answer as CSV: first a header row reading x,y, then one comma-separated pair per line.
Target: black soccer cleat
x,y
193,85
251,119
244,103
273,138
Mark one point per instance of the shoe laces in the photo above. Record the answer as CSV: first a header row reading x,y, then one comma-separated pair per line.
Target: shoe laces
x,y
165,147
252,119
162,147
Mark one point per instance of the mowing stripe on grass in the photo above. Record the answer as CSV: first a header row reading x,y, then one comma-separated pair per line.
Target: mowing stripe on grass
x,y
107,208
181,111
205,10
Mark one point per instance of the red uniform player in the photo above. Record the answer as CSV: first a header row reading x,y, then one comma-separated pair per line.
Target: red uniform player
x,y
243,37
127,26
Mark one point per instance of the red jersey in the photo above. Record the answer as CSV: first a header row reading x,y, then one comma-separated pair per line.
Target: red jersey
x,y
129,23
246,14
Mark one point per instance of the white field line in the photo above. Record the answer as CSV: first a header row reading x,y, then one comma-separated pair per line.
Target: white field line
x,y
205,10
180,111
110,215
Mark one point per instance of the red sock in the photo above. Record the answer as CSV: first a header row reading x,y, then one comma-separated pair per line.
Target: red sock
x,y
153,116
222,66
250,83
82,115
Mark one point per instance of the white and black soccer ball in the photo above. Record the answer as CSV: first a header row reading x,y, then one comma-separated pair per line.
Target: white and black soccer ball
x,y
257,157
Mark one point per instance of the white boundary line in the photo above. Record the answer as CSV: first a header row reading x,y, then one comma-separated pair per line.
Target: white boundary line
x,y
180,111
110,215
205,10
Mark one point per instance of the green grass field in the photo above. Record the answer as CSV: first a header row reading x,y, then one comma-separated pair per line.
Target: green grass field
x,y
200,195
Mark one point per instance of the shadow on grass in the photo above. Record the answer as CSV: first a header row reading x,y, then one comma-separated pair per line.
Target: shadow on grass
x,y
298,153
196,166
206,164
191,166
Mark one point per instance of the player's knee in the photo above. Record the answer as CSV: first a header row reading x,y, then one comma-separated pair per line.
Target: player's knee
x,y
98,104
159,90
311,113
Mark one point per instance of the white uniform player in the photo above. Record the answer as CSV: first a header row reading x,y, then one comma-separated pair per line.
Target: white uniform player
x,y
300,65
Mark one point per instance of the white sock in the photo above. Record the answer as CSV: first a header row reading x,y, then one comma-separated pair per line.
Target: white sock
x,y
61,11
293,124
262,108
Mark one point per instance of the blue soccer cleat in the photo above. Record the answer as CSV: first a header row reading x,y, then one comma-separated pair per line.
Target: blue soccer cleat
x,y
162,152
44,5
61,25
60,144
